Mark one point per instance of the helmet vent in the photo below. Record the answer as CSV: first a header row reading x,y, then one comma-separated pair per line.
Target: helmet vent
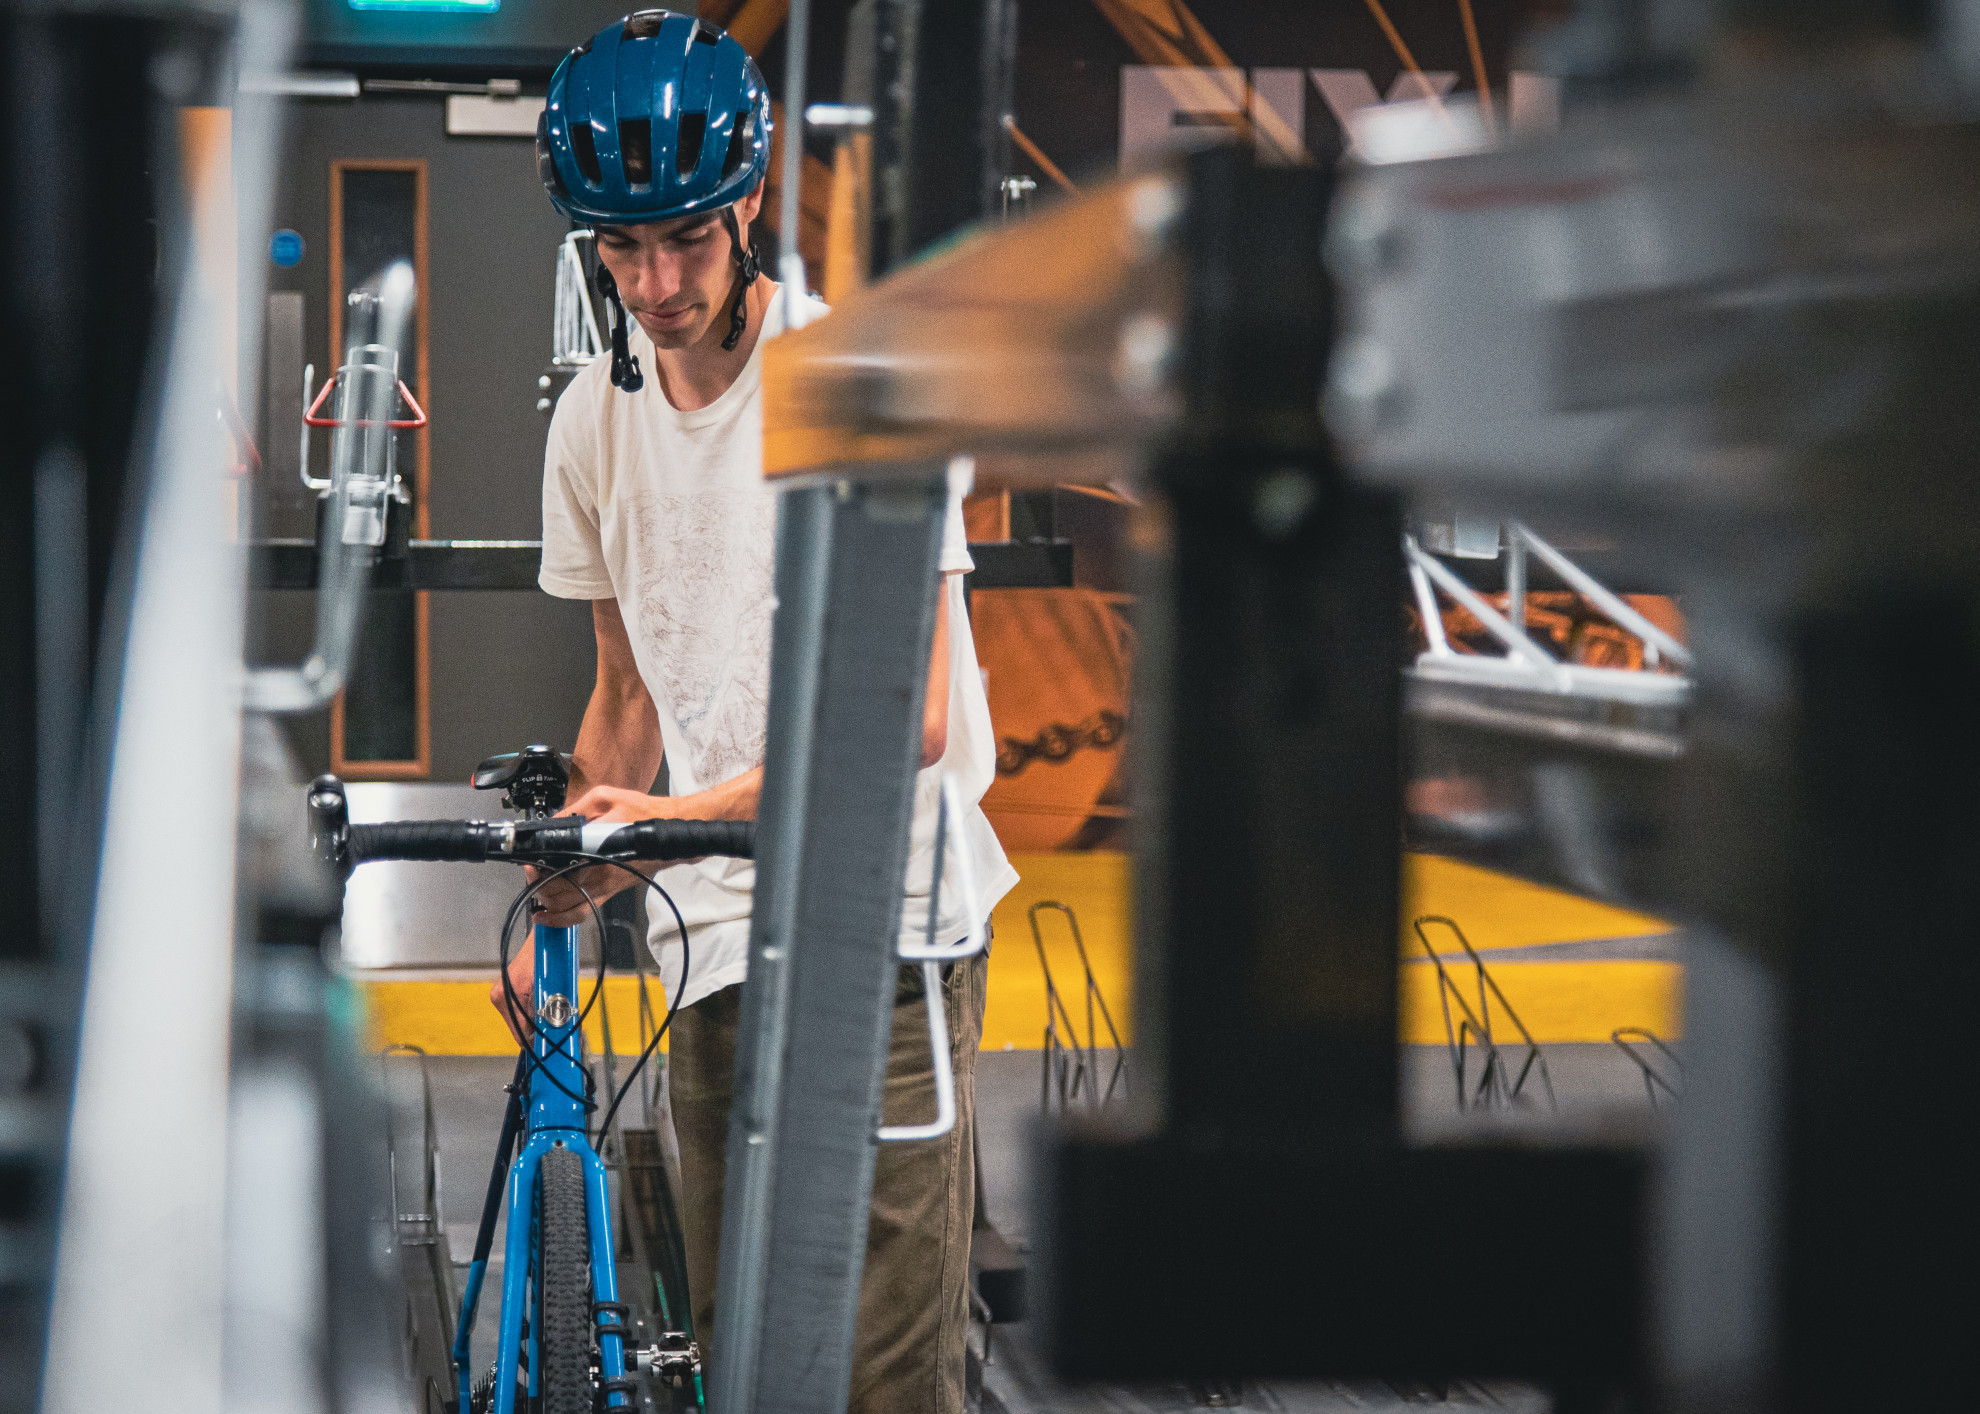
x,y
636,151
738,143
694,131
706,34
643,25
586,153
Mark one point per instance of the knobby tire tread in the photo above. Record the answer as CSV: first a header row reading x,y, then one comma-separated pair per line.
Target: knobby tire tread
x,y
563,1265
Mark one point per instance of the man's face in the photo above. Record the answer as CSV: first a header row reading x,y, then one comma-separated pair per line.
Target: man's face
x,y
676,277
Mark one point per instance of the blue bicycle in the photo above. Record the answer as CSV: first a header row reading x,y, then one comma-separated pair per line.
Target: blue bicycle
x,y
565,1345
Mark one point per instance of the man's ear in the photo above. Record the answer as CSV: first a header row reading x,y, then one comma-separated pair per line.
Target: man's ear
x,y
751,206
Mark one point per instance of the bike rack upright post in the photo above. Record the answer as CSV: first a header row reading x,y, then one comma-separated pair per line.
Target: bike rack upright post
x,y
856,577
856,582
856,569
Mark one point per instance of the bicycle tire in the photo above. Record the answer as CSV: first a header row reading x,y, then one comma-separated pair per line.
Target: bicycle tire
x,y
563,1275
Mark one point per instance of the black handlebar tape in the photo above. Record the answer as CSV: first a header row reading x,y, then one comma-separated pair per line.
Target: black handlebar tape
x,y
684,839
475,840
422,839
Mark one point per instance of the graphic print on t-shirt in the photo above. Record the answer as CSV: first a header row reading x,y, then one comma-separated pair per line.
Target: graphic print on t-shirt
x,y
703,606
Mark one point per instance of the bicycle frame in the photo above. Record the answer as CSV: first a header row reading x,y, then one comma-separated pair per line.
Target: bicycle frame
x,y
553,1120
546,1112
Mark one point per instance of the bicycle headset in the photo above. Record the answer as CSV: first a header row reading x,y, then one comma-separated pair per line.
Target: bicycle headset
x,y
657,116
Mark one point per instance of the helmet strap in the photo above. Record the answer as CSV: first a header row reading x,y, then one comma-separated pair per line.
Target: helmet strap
x,y
625,368
749,266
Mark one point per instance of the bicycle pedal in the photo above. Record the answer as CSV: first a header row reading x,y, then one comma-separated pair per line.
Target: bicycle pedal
x,y
673,1360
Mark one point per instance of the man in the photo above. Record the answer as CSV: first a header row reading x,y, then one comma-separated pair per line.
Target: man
x,y
656,134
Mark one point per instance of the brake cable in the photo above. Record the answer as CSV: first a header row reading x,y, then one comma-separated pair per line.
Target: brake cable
x,y
580,861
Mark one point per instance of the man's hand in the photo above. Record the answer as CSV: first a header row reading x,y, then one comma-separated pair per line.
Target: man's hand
x,y
522,976
562,902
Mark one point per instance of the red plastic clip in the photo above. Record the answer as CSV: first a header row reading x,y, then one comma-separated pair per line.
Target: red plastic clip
x,y
418,419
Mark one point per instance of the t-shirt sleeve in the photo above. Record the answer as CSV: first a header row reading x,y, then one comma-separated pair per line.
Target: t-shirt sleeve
x,y
955,538
573,552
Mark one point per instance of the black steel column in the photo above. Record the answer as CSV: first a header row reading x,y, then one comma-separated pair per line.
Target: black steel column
x,y
942,79
1273,881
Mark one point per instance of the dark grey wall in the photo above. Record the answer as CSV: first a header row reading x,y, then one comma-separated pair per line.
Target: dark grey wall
x,y
507,668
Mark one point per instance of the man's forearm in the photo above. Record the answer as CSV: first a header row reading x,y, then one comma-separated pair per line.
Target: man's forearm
x,y
732,800
619,741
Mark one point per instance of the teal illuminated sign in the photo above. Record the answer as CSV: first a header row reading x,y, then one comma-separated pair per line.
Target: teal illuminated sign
x,y
472,7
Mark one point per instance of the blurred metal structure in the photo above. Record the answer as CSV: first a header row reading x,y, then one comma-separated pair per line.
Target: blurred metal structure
x,y
856,583
83,124
1268,877
845,706
1526,689
198,1111
1052,340
1736,321
320,1314
108,125
1183,321
361,497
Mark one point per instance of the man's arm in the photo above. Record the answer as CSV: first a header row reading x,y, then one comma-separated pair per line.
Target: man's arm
x,y
604,762
618,745
619,742
935,708
737,799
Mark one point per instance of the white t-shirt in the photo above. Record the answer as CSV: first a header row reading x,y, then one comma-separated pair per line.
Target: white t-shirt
x,y
668,513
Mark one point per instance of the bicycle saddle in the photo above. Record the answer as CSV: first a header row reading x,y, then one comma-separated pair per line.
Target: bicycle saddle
x,y
535,779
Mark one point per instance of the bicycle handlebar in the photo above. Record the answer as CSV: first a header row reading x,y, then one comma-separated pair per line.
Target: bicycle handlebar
x,y
558,840
555,841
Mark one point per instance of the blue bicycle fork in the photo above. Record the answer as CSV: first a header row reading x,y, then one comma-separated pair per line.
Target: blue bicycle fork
x,y
545,1111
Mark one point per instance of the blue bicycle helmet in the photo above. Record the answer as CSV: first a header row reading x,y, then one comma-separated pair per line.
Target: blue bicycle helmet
x,y
655,117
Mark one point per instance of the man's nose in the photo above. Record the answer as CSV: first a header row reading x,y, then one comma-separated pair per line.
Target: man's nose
x,y
660,274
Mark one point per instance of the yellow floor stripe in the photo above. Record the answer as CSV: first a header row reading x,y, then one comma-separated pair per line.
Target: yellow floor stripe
x,y
451,1016
1098,888
1559,1001
1499,911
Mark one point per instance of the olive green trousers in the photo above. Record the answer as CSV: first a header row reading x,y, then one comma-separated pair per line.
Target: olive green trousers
x,y
914,1297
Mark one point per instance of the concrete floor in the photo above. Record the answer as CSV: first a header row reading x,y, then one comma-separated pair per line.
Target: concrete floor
x,y
1597,1088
